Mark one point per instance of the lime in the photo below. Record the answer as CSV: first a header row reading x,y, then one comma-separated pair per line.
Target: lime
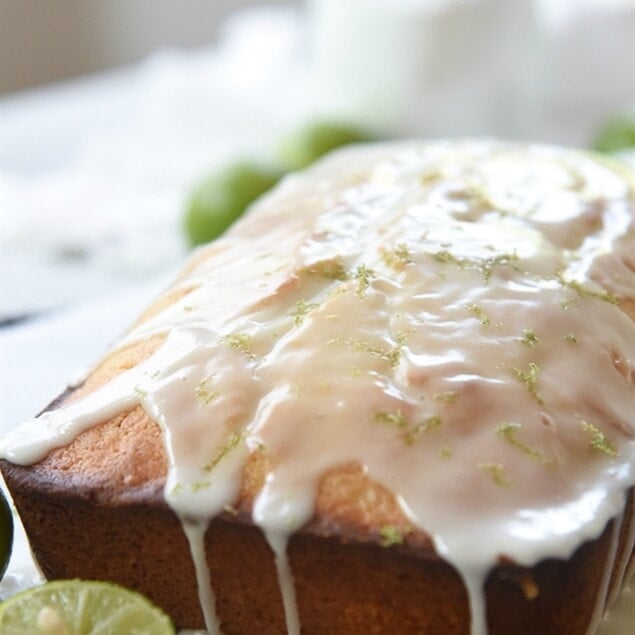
x,y
78,607
6,533
618,134
314,140
219,200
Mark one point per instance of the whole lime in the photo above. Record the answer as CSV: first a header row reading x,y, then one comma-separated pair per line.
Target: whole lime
x,y
316,139
223,197
617,134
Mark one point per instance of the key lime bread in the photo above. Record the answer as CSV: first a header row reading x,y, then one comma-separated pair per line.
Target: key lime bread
x,y
397,397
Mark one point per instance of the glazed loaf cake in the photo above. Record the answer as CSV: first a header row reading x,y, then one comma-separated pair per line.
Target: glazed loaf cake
x,y
397,397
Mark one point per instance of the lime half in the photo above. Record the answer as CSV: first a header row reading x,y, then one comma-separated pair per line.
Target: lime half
x,y
6,533
78,607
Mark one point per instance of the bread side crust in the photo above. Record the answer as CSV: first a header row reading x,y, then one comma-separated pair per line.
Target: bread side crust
x,y
105,517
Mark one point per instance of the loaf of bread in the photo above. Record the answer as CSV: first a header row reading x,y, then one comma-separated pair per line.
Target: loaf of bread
x,y
397,397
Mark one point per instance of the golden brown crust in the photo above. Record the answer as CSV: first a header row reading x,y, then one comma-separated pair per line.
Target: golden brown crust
x,y
344,583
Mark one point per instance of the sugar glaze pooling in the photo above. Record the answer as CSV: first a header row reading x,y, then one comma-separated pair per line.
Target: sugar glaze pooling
x,y
417,310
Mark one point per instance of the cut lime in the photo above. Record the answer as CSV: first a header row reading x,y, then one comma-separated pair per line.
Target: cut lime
x,y
6,534
78,607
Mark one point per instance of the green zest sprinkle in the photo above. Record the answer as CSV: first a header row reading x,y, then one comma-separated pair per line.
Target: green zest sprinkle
x,y
508,431
449,396
240,341
529,338
423,426
329,269
570,337
447,257
445,452
391,418
397,257
480,314
204,394
301,310
197,487
599,441
583,292
402,336
356,371
391,355
390,535
340,289
485,265
488,265
235,439
142,394
363,275
496,472
529,378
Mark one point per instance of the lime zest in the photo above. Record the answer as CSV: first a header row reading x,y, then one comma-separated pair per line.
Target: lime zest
x,y
204,393
529,338
509,432
397,257
530,379
234,440
397,418
302,309
599,441
496,472
363,276
478,312
434,421
390,536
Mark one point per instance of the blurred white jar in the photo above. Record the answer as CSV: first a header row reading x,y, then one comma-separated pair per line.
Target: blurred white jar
x,y
587,57
431,67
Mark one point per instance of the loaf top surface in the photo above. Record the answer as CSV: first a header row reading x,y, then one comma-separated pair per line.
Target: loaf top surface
x,y
452,319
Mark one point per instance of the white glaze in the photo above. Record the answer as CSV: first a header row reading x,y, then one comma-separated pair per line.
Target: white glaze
x,y
195,534
278,541
452,252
